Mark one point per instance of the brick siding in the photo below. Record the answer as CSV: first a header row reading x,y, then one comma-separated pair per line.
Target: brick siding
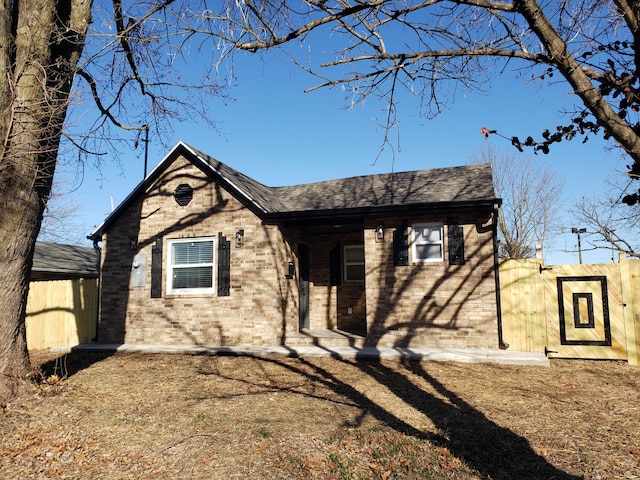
x,y
436,305
432,304
261,300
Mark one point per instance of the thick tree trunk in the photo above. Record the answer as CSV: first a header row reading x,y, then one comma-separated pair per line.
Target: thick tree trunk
x,y
19,226
45,43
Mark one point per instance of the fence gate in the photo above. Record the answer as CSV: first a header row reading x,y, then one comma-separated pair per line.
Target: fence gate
x,y
584,312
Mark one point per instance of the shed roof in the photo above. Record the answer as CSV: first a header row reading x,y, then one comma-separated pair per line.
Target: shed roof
x,y
71,260
469,186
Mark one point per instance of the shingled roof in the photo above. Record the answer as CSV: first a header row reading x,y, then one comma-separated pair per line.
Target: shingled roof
x,y
464,184
57,260
468,186
471,183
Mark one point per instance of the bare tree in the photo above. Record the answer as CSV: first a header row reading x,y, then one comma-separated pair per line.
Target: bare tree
x,y
127,63
41,44
611,224
432,48
531,196
60,222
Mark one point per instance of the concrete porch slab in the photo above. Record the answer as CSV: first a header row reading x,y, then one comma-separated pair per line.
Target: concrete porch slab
x,y
506,357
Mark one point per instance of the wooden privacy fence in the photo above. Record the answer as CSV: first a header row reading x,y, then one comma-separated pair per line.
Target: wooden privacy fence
x,y
568,311
572,311
61,313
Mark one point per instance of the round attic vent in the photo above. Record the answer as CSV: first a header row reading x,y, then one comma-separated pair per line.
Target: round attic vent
x,y
183,194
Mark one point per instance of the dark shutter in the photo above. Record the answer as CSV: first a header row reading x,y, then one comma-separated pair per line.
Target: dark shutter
x,y
401,245
224,266
335,266
456,244
156,269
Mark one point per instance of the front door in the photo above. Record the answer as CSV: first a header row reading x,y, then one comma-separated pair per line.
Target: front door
x,y
303,285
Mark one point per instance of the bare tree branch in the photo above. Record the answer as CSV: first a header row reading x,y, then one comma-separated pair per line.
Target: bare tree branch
x,y
531,197
591,45
98,101
610,223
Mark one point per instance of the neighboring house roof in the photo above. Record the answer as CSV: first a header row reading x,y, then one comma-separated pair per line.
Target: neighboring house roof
x,y
65,260
440,189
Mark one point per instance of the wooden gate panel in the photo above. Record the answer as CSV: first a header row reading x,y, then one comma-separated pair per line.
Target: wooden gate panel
x,y
584,313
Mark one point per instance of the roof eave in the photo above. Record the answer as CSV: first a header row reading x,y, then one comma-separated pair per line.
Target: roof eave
x,y
70,271
353,214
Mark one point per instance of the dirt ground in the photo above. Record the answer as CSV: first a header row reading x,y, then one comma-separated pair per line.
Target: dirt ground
x,y
145,416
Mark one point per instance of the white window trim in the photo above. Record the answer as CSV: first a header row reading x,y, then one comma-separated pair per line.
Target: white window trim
x,y
170,267
414,244
345,263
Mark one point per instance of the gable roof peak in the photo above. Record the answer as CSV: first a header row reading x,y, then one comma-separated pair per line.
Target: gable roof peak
x,y
462,185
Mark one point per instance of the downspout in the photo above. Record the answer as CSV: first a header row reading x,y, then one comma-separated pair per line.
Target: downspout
x,y
98,302
496,266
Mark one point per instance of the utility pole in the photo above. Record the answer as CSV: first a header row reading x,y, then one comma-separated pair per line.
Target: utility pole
x,y
578,231
146,148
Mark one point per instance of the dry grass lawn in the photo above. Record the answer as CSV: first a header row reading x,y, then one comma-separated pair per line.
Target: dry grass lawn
x,y
137,416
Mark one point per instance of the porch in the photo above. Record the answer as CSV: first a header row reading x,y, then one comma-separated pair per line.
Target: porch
x,y
464,355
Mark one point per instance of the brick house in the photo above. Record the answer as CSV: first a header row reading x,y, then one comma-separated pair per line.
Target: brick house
x,y
200,254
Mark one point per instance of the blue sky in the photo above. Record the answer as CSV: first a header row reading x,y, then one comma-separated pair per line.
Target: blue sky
x,y
278,135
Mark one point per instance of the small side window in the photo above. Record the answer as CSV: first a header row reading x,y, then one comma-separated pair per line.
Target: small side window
x,y
354,263
427,245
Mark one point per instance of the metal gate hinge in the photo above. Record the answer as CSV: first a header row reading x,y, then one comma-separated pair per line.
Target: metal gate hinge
x,y
542,269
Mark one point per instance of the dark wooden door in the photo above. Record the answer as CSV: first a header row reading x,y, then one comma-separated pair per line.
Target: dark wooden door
x,y
303,285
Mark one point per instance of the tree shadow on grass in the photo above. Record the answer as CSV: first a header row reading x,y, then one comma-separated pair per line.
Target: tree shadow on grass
x,y
493,451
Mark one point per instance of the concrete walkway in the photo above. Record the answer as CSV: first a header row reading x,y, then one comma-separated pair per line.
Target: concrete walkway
x,y
507,357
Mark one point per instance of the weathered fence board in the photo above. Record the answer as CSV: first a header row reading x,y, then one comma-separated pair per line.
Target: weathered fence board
x,y
521,294
631,296
61,313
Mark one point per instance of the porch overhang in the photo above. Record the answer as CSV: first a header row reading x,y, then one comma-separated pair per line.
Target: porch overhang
x,y
357,216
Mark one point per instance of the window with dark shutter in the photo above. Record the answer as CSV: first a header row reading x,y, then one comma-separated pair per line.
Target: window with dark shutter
x,y
427,242
224,266
190,266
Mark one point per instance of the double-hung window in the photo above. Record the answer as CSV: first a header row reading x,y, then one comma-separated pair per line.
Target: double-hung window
x,y
427,244
191,265
354,263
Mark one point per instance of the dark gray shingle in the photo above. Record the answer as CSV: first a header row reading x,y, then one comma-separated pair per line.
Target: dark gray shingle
x,y
465,186
440,185
66,259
